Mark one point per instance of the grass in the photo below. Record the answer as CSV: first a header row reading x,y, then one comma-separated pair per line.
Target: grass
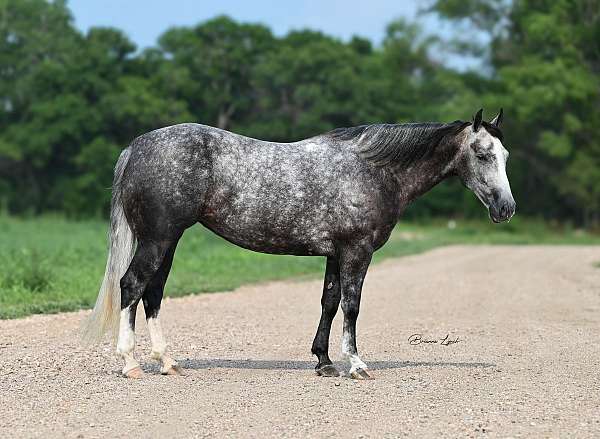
x,y
51,264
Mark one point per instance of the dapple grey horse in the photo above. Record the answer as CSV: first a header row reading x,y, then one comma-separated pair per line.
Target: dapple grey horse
x,y
337,195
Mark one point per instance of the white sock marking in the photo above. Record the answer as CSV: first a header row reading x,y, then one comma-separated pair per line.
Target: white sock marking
x,y
126,341
159,345
353,359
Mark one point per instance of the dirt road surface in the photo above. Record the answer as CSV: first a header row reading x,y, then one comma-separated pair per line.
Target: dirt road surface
x,y
527,363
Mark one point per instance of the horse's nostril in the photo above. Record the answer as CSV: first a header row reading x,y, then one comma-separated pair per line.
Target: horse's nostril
x,y
495,195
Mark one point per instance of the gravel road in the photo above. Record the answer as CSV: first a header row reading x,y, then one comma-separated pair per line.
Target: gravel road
x,y
526,364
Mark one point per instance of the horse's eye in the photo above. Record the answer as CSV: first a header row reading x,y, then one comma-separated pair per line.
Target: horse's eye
x,y
482,156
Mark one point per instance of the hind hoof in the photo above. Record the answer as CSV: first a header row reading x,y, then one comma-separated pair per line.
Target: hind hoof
x,y
136,373
361,374
173,370
328,370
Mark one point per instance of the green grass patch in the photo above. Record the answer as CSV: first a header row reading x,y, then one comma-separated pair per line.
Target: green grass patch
x,y
51,264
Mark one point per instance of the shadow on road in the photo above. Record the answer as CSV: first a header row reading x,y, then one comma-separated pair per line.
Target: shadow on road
x,y
298,365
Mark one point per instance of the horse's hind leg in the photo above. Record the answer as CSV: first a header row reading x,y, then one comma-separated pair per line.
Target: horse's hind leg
x,y
152,298
146,262
330,302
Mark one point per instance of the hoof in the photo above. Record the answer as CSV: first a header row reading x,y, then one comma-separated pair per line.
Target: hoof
x,y
361,374
173,370
327,370
136,373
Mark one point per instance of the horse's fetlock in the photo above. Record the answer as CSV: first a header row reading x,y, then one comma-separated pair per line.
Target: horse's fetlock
x,y
158,351
318,350
124,348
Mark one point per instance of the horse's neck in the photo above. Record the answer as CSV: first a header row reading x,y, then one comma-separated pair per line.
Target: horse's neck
x,y
420,178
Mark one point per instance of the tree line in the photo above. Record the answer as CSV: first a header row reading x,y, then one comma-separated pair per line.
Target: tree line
x,y
70,101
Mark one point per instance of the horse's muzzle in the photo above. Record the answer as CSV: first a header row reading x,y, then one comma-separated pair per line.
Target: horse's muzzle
x,y
502,210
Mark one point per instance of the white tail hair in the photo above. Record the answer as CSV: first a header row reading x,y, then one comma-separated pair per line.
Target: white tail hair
x,y
105,316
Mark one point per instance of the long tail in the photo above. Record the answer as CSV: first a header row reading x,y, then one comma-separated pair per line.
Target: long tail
x,y
105,316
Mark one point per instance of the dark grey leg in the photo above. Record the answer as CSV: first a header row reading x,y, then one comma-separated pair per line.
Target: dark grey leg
x,y
329,306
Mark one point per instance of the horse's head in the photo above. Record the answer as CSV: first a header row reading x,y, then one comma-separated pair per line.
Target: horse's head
x,y
481,165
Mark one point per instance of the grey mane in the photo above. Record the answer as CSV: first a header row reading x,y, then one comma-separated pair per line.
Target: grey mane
x,y
403,144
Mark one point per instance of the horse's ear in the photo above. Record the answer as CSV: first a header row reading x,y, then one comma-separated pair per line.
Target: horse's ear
x,y
477,120
496,121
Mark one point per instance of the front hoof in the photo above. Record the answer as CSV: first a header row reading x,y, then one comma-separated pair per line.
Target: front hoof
x,y
361,374
173,370
327,370
136,373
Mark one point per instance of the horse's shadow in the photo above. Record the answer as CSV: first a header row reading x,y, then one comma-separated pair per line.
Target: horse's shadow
x,y
210,363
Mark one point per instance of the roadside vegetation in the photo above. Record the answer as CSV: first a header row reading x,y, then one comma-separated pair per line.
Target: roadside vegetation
x,y
51,264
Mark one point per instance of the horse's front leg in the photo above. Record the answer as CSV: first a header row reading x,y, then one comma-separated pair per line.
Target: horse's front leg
x,y
354,262
329,305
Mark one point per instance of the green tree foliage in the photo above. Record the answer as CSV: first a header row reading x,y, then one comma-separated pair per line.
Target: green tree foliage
x,y
309,83
69,102
545,56
211,67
